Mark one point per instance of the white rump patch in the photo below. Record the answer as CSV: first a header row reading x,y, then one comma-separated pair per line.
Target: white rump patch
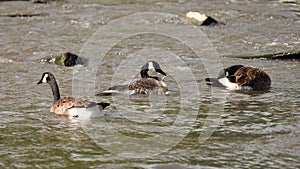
x,y
232,86
45,78
111,91
72,112
85,114
150,66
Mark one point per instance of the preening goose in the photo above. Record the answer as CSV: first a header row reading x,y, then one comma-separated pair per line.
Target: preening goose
x,y
238,77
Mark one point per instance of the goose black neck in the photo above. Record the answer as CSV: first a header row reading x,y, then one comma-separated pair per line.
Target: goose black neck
x,y
54,87
144,74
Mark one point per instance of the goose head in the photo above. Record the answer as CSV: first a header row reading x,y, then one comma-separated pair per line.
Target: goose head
x,y
46,78
154,66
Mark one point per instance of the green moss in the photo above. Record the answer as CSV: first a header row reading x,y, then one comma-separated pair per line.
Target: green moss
x,y
60,60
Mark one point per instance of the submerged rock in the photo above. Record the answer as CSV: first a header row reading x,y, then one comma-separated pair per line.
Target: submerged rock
x,y
23,15
283,55
289,1
41,1
66,59
199,19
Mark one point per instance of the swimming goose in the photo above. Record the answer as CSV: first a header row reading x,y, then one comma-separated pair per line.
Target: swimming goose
x,y
145,85
68,106
238,77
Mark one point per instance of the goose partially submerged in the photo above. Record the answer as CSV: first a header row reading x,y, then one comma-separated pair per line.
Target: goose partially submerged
x,y
238,77
69,106
147,84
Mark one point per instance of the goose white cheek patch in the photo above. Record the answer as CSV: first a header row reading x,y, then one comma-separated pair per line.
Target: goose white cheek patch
x,y
150,66
225,82
45,78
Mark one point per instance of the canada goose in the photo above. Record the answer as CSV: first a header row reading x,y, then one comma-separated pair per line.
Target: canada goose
x,y
68,106
238,77
145,85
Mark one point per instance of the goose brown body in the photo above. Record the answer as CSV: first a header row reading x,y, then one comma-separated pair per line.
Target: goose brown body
x,y
65,104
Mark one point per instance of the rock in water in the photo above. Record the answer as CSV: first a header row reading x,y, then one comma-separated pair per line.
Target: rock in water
x,y
70,59
199,19
66,59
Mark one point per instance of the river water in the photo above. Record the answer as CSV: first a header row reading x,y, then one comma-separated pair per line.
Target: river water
x,y
193,127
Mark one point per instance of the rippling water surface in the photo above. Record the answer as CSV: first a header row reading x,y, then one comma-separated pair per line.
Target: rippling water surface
x,y
222,129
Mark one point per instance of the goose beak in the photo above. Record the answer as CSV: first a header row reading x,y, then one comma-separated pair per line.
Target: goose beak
x,y
39,82
164,78
161,72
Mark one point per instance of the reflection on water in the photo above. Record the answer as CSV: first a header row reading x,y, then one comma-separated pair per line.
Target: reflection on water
x,y
254,129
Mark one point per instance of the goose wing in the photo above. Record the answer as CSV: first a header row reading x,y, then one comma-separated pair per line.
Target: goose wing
x,y
144,85
120,86
62,105
253,77
84,102
87,102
